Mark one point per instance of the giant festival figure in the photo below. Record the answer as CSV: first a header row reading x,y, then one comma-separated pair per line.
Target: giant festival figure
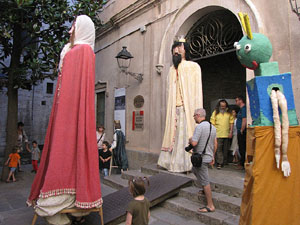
x,y
183,97
271,184
68,175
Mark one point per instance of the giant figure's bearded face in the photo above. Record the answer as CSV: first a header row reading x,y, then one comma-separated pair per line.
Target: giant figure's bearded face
x,y
178,53
176,60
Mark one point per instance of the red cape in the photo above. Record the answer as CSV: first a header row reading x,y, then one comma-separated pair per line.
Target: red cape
x,y
69,163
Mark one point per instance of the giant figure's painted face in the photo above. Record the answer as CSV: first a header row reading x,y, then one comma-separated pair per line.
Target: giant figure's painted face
x,y
252,52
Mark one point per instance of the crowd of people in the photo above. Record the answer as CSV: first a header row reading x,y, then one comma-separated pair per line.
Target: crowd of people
x,y
105,150
113,154
230,124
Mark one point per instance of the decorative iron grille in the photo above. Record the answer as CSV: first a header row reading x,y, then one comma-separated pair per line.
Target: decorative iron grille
x,y
213,34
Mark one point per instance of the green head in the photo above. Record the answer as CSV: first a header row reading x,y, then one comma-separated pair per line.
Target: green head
x,y
252,52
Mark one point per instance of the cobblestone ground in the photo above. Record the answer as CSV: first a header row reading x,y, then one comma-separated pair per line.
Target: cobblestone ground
x,y
13,209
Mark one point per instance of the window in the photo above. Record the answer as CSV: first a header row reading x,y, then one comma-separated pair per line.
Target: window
x,y
49,88
100,108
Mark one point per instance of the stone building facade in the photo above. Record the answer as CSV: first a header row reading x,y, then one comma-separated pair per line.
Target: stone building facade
x,y
148,27
34,109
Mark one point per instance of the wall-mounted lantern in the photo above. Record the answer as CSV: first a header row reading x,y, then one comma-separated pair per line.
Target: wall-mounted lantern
x,y
124,58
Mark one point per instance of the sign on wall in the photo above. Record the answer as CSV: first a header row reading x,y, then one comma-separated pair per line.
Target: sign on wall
x,y
138,120
120,107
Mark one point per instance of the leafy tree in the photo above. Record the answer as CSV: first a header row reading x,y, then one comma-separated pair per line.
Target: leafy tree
x,y
32,34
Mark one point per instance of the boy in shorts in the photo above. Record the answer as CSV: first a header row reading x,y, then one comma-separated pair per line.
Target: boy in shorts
x,y
13,160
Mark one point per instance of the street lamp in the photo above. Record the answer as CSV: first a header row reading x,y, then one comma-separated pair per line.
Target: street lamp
x,y
295,7
124,58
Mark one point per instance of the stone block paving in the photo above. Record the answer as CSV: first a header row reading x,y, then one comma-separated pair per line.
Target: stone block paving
x,y
13,208
14,211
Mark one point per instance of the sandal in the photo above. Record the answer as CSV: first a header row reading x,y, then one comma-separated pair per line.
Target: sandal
x,y
207,210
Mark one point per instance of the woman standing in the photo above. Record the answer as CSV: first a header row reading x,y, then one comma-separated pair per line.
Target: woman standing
x,y
100,136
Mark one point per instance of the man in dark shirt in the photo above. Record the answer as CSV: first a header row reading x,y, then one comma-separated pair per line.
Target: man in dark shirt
x,y
241,123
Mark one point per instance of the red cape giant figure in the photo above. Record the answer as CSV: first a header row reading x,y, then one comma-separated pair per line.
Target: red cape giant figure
x,y
69,163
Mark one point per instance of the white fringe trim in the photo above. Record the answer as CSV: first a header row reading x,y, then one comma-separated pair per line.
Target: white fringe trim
x,y
71,191
88,205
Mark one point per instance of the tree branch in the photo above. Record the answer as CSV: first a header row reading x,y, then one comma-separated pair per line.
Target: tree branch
x,y
3,64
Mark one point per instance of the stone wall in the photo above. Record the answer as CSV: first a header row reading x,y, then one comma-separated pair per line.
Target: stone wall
x,y
148,28
137,159
34,111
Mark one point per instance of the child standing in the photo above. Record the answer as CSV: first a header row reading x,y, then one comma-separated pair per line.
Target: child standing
x,y
35,156
105,156
138,212
234,144
14,161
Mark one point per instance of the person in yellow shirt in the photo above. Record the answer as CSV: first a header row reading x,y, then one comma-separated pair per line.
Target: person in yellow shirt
x,y
223,121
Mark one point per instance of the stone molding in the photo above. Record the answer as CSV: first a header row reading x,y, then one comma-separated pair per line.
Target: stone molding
x,y
135,9
185,5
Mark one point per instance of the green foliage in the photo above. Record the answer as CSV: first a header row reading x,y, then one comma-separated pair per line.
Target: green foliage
x,y
32,34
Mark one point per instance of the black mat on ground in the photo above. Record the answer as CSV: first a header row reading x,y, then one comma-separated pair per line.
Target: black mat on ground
x,y
161,187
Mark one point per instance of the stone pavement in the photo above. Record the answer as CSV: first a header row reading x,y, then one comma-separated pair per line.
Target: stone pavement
x,y
13,209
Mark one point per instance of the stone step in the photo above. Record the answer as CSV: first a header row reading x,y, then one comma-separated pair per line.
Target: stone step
x,y
115,181
221,201
189,209
225,189
222,181
151,169
131,174
163,216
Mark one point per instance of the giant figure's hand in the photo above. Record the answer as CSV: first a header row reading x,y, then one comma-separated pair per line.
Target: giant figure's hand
x,y
286,168
277,157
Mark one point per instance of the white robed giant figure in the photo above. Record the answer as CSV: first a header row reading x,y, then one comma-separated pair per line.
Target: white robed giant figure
x,y
184,95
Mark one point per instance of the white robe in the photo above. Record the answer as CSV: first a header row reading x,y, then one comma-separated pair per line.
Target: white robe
x,y
180,123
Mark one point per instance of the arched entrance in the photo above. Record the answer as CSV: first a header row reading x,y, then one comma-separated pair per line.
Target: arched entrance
x,y
211,41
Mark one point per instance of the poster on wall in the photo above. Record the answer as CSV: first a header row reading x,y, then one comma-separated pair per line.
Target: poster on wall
x,y
120,106
138,120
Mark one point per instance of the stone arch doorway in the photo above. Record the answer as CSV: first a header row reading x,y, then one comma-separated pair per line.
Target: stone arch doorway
x,y
211,41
